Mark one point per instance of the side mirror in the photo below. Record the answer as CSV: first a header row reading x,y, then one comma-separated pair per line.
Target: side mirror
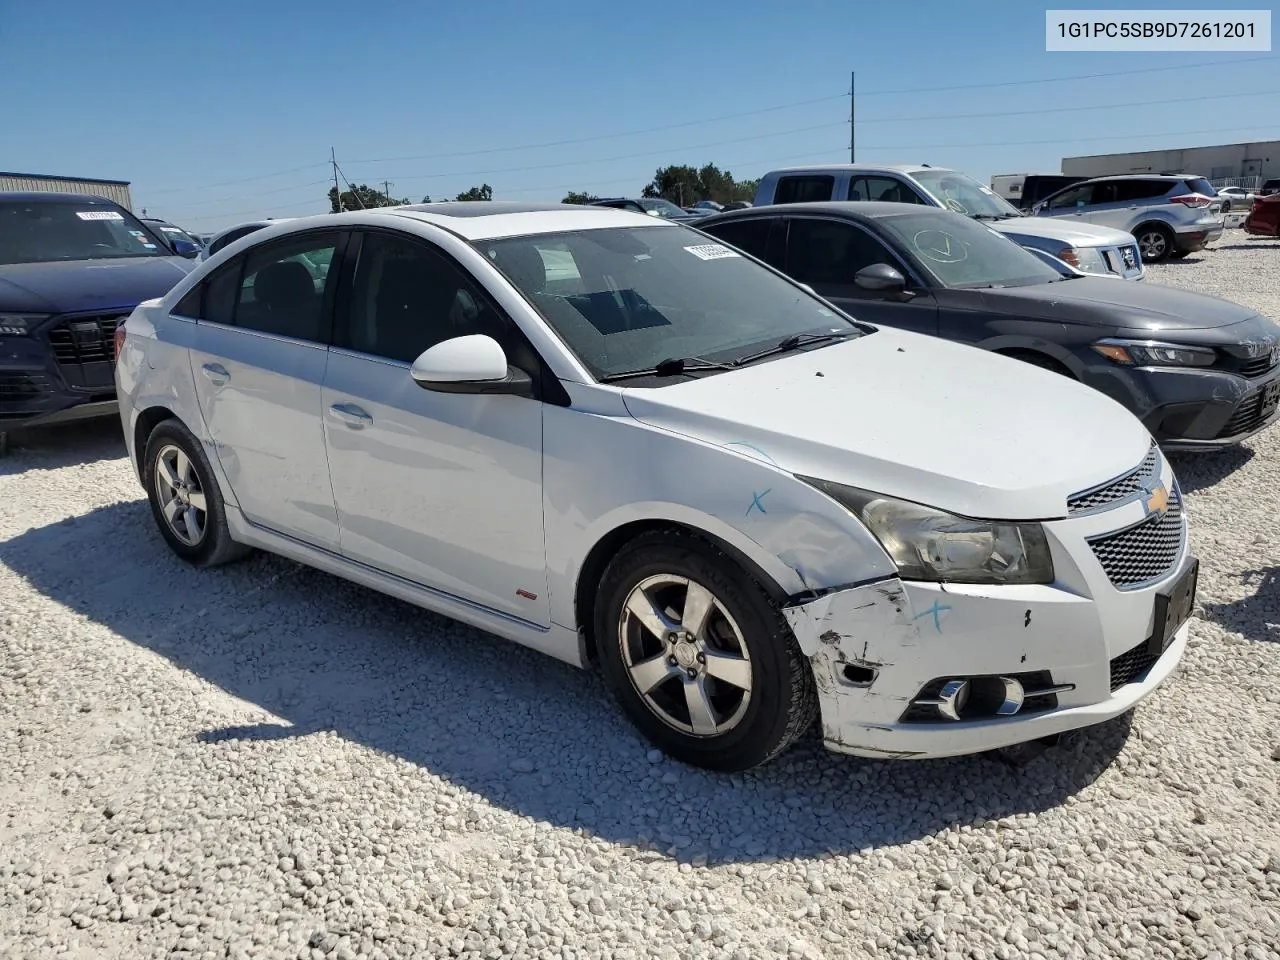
x,y
185,248
1036,208
880,276
472,364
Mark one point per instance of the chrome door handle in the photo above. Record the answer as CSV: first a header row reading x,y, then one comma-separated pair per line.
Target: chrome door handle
x,y
351,415
216,373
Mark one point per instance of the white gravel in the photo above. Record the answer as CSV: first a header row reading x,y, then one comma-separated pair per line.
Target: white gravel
x,y
264,761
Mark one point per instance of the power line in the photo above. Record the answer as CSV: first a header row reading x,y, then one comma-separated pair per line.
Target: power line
x,y
1078,76
1237,95
732,116
1028,143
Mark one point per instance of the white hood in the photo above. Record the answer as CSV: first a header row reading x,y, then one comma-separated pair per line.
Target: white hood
x,y
913,417
1076,233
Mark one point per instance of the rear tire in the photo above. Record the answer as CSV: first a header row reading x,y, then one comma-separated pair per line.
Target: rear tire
x,y
699,655
1155,242
185,499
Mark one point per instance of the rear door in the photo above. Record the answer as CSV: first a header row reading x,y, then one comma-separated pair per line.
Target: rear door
x,y
258,360
827,254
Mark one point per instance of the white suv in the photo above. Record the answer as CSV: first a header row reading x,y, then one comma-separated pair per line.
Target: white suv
x,y
613,439
1171,216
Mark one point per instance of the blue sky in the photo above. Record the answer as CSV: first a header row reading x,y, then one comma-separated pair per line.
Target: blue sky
x,y
220,112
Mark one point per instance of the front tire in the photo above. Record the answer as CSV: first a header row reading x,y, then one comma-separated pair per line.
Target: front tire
x,y
700,655
184,496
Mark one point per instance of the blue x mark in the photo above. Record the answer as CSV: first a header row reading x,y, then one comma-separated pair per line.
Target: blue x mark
x,y
755,501
937,610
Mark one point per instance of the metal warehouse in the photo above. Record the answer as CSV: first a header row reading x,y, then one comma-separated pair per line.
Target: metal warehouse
x,y
1243,163
116,190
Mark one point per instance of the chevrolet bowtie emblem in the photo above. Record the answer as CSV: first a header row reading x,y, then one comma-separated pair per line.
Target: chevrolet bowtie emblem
x,y
1157,500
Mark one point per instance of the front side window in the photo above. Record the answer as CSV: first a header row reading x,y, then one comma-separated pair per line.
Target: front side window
x,y
829,253
963,194
965,253
885,189
407,297
657,207
812,189
282,290
650,293
43,231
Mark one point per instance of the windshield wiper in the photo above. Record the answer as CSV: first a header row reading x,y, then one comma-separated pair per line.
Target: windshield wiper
x,y
795,342
993,216
670,367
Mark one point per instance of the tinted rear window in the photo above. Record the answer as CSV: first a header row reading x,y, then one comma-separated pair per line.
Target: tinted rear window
x,y
813,189
1200,185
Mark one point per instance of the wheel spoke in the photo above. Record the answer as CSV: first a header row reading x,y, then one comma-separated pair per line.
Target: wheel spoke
x,y
183,465
197,500
167,473
171,508
701,715
191,518
647,674
655,621
732,670
698,604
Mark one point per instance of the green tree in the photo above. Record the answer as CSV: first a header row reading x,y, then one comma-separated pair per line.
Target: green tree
x,y
685,185
427,198
573,196
482,192
361,198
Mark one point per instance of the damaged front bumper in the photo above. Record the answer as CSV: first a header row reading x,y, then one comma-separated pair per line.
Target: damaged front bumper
x,y
1039,660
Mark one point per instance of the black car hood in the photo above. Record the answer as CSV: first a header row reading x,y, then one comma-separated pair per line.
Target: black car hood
x,y
1113,303
81,286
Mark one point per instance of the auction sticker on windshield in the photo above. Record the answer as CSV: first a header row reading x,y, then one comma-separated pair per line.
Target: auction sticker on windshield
x,y
99,215
712,251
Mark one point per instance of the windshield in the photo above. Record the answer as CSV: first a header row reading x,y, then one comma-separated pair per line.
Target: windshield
x,y
663,208
965,253
627,298
41,231
963,194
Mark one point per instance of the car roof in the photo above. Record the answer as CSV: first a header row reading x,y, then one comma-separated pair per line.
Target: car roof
x,y
848,209
1169,177
860,168
31,196
492,219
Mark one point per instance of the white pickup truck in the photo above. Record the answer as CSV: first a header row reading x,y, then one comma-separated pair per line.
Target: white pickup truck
x,y
1102,251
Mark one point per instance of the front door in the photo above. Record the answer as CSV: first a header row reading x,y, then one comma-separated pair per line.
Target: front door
x,y
441,489
827,254
258,357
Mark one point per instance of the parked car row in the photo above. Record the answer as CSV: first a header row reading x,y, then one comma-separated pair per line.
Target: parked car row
x,y
935,549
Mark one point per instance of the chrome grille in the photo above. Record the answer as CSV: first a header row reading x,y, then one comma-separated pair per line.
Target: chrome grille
x,y
1144,552
1116,490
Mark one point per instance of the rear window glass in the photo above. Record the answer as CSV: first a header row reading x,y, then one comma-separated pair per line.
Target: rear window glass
x,y
812,189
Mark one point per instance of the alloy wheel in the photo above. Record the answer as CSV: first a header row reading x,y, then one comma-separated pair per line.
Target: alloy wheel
x,y
1153,244
181,495
685,655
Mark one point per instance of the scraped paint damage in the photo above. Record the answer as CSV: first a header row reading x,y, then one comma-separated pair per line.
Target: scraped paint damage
x,y
870,627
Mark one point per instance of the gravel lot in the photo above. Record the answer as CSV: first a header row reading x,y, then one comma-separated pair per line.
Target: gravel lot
x,y
264,761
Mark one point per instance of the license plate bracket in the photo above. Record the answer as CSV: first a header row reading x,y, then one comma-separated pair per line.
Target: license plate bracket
x,y
1173,608
1270,397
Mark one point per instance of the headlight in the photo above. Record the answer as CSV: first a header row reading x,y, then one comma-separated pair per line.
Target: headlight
x,y
928,544
1152,353
20,324
1085,259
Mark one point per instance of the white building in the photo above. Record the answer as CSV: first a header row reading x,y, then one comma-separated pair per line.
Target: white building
x,y
1230,163
114,190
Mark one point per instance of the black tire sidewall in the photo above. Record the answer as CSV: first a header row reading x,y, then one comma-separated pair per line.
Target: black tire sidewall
x,y
174,432
1168,242
766,727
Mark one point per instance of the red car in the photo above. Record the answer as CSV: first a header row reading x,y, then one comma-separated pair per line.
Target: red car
x,y
1264,217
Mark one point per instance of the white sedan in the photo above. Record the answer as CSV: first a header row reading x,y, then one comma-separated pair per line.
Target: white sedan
x,y
616,440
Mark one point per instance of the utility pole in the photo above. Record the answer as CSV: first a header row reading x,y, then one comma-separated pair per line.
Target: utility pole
x,y
333,158
853,116
386,189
